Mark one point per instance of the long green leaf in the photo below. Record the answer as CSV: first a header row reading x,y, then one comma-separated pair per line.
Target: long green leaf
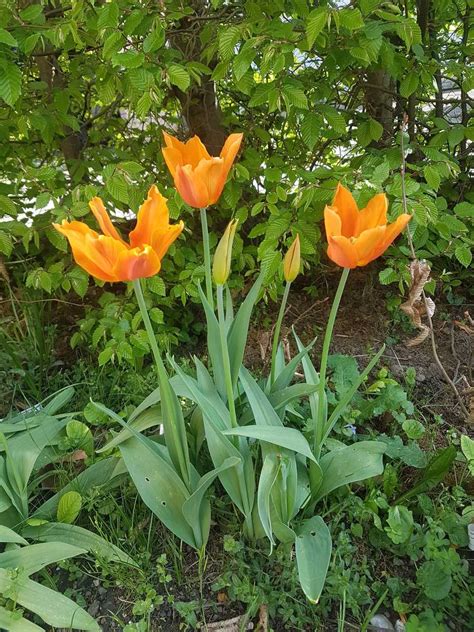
x,y
313,552
78,536
147,419
213,344
350,464
12,622
238,332
155,397
288,373
54,608
263,411
197,512
34,557
289,438
268,476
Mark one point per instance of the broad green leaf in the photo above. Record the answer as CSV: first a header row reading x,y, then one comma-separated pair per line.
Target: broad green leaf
x,y
409,84
467,447
400,524
434,576
7,38
263,411
8,535
315,22
159,486
69,507
54,608
313,546
179,76
432,176
289,438
14,622
434,472
10,82
34,557
350,464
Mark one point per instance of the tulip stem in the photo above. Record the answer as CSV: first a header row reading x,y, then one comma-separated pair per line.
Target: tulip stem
x,y
207,257
322,407
225,356
276,334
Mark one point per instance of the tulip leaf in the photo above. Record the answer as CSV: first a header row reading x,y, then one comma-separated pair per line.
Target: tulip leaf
x,y
350,464
147,419
197,512
54,608
77,536
268,476
34,557
288,373
263,411
238,332
213,344
13,623
313,546
159,486
288,438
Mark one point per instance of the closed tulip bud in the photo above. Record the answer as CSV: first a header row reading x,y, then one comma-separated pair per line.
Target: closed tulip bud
x,y
292,261
223,254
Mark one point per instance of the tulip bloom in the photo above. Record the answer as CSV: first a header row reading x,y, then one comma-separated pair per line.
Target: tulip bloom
x,y
357,237
292,261
108,257
199,177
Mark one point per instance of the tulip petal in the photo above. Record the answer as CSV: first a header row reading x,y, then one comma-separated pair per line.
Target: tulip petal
x,y
191,188
173,158
151,214
97,207
342,251
230,149
391,233
367,244
137,263
194,152
374,214
211,174
84,245
332,222
347,210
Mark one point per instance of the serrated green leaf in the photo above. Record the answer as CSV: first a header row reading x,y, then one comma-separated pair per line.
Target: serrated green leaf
x,y
179,76
315,22
10,82
409,84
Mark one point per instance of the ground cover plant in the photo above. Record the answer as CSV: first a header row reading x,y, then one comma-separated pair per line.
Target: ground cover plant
x,y
245,398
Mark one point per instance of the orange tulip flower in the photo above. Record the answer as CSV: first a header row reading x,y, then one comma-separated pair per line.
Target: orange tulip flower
x,y
199,177
108,257
357,237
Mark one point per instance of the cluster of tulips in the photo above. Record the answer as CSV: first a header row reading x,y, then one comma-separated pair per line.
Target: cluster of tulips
x,y
274,474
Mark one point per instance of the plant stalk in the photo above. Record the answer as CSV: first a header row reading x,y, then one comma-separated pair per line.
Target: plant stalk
x,y
207,257
276,334
321,422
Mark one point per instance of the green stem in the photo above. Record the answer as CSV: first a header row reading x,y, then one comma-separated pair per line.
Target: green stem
x,y
276,335
207,257
321,422
225,356
160,367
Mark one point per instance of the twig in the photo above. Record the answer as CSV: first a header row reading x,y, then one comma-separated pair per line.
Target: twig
x,y
423,294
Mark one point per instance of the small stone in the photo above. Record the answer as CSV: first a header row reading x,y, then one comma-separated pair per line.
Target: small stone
x,y
94,608
380,622
399,626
